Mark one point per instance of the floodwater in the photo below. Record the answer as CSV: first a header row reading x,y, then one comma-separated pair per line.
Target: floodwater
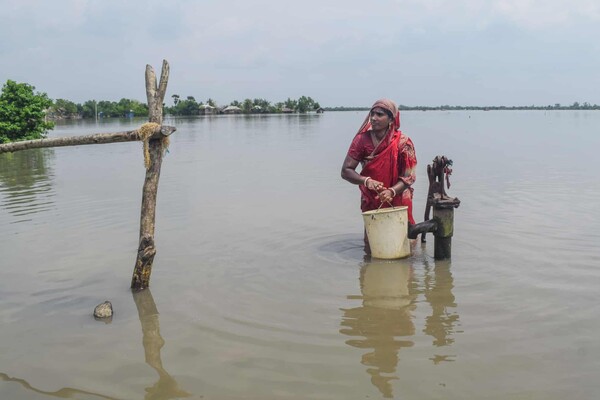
x,y
260,288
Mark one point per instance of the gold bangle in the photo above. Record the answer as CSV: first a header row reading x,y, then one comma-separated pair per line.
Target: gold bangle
x,y
393,191
365,181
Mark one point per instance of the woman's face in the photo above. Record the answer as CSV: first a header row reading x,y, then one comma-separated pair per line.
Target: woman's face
x,y
379,119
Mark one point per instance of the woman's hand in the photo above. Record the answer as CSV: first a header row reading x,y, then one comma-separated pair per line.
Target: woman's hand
x,y
386,195
372,184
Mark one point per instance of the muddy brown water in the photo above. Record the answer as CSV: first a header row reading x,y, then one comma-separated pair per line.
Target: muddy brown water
x,y
260,288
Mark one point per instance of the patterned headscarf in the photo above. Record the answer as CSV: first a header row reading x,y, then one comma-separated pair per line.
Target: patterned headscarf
x,y
387,105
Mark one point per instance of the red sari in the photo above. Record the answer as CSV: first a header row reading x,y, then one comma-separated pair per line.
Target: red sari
x,y
394,159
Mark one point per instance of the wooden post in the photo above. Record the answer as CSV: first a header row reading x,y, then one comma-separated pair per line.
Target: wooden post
x,y
146,249
158,132
443,234
155,137
443,207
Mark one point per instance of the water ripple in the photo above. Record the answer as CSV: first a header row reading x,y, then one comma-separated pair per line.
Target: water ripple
x,y
26,182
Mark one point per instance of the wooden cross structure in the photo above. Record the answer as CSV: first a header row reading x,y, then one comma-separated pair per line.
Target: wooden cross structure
x,y
155,137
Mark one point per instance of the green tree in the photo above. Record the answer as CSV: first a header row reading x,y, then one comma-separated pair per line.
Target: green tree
x,y
304,104
291,104
63,109
123,107
88,110
262,106
247,106
126,106
107,109
189,106
22,112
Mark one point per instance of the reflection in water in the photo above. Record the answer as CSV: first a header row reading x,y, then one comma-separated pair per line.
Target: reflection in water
x,y
25,181
440,324
64,393
389,290
386,288
166,387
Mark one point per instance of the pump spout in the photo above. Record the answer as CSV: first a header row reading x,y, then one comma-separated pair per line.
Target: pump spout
x,y
421,228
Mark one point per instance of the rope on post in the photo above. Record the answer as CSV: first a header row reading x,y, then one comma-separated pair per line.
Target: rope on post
x,y
144,133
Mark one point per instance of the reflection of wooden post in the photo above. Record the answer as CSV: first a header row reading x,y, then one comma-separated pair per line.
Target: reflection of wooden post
x,y
166,387
146,250
64,393
152,339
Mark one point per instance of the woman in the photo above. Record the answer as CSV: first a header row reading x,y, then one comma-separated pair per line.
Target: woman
x,y
388,160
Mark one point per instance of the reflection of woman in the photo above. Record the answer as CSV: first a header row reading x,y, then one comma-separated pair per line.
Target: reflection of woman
x,y
384,316
388,160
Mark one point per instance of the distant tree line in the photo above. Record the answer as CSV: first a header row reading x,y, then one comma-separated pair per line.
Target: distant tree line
x,y
575,106
66,109
189,106
26,114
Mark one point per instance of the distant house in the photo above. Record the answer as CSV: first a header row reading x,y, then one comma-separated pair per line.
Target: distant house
x,y
231,110
286,110
207,109
320,110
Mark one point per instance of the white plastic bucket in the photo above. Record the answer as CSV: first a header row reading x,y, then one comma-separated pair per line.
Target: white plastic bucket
x,y
387,231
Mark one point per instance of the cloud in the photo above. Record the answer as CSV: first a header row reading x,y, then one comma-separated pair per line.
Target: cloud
x,y
430,51
547,14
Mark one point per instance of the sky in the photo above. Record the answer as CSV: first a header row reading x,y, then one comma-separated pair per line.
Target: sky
x,y
339,52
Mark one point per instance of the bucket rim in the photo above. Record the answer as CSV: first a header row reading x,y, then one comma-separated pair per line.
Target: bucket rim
x,y
385,210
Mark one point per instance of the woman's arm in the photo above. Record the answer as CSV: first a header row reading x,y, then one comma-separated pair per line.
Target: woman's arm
x,y
349,173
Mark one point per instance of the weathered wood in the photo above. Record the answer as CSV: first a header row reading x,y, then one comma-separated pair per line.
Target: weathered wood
x,y
156,93
98,138
443,234
436,195
442,248
445,218
156,139
143,263
146,249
